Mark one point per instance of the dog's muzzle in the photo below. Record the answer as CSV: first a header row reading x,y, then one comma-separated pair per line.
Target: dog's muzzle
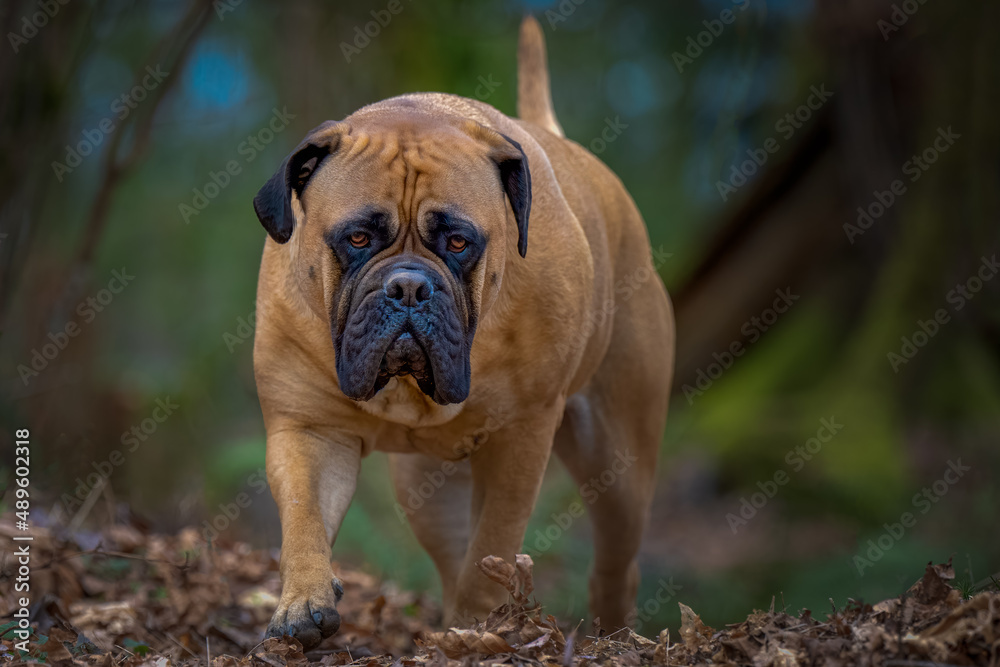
x,y
404,321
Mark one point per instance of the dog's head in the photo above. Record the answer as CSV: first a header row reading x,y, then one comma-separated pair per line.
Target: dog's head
x,y
399,224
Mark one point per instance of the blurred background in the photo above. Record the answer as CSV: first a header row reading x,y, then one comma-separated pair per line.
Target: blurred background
x,y
819,179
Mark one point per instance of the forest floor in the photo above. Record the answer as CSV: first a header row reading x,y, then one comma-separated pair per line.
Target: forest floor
x,y
125,598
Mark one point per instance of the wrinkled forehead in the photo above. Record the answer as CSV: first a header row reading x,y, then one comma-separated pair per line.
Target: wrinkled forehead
x,y
408,169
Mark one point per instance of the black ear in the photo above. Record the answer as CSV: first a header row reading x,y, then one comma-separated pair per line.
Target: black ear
x,y
516,180
273,203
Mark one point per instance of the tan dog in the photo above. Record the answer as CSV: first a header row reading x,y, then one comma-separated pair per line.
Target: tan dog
x,y
457,288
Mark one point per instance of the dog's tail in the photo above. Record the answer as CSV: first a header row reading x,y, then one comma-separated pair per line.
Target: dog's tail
x,y
534,97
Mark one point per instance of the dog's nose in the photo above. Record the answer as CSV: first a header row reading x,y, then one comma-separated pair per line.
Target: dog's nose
x,y
408,288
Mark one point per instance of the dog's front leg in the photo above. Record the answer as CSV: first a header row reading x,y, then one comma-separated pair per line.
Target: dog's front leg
x,y
312,478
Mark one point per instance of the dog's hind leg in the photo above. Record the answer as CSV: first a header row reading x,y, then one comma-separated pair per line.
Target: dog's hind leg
x,y
609,440
436,496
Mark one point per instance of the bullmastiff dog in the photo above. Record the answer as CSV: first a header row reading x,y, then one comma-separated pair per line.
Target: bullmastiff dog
x,y
467,292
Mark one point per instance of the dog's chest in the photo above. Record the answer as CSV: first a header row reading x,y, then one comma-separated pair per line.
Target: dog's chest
x,y
402,402
442,442
447,432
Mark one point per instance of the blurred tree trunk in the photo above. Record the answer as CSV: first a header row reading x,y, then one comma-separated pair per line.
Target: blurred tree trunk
x,y
890,97
37,81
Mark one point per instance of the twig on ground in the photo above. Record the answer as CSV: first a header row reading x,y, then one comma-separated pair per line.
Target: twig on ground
x,y
176,641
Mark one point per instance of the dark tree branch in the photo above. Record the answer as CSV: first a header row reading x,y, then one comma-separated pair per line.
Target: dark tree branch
x,y
174,49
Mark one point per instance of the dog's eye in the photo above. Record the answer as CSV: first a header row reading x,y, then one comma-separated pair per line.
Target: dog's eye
x,y
457,244
360,239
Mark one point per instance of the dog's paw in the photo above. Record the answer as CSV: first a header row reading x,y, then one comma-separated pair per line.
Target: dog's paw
x,y
310,619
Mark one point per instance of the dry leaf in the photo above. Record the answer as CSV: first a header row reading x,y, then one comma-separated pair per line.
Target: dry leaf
x,y
694,633
457,643
498,570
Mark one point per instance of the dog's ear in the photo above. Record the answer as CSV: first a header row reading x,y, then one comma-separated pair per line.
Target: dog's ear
x,y
516,181
515,178
273,203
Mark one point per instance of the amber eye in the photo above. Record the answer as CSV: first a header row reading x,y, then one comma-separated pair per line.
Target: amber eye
x,y
457,244
359,239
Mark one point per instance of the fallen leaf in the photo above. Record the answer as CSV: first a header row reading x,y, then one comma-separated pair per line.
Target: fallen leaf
x,y
694,633
457,643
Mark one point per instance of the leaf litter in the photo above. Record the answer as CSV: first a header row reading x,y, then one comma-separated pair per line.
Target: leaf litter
x,y
147,600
